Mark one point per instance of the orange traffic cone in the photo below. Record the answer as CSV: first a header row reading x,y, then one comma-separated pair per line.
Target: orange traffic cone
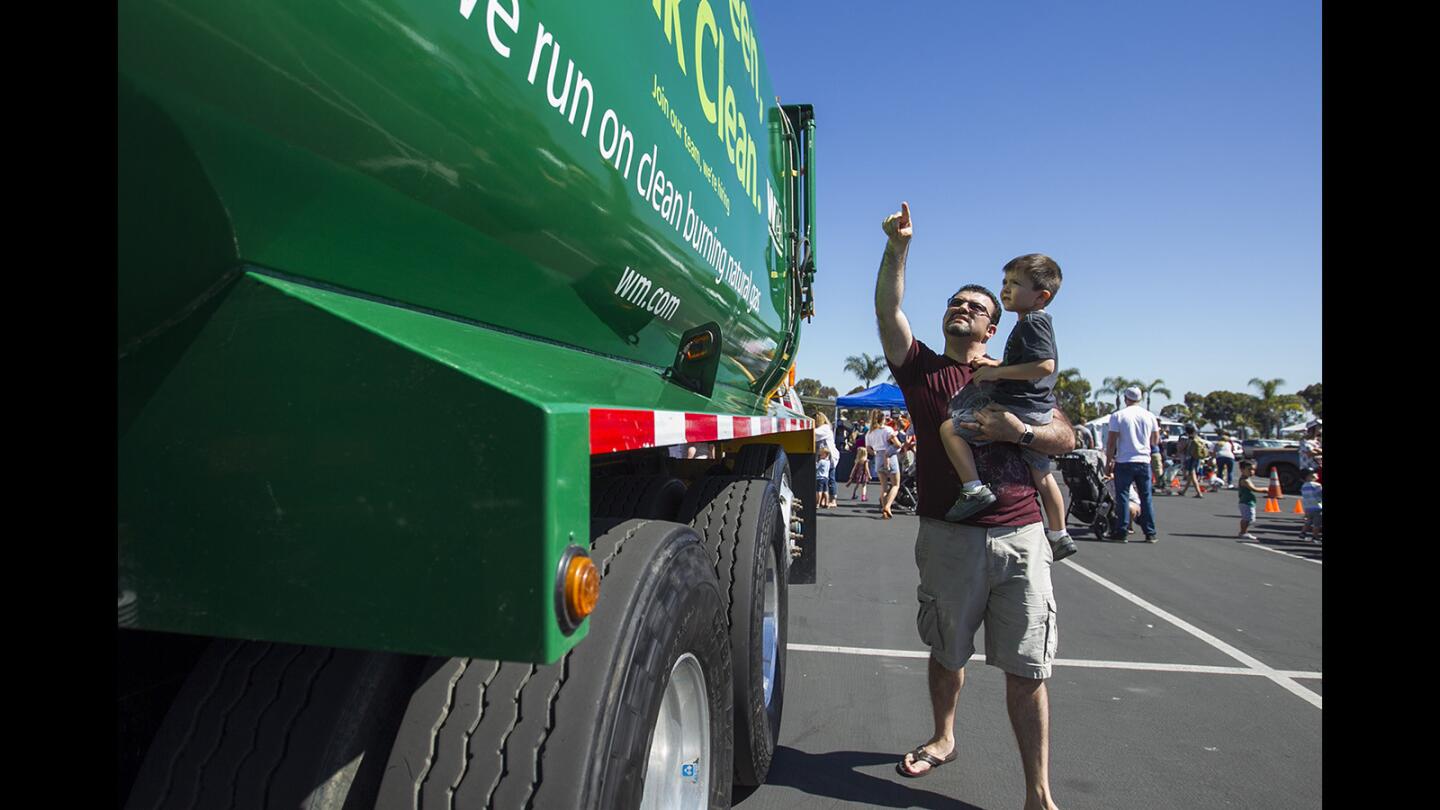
x,y
1272,500
1299,510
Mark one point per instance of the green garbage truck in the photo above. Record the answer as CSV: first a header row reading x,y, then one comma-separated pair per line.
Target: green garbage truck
x,y
457,446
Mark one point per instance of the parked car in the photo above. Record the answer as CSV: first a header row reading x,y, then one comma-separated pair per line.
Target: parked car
x,y
1284,460
1248,446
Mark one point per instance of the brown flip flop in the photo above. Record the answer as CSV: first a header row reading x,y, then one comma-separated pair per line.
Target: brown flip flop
x,y
921,755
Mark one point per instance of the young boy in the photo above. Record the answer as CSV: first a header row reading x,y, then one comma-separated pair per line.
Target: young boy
x,y
1247,490
1311,502
1024,384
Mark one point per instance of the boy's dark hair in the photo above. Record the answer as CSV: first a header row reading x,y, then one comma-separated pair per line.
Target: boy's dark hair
x,y
1247,463
980,288
1043,272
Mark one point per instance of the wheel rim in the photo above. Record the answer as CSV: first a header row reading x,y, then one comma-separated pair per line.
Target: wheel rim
x,y
787,500
678,771
770,624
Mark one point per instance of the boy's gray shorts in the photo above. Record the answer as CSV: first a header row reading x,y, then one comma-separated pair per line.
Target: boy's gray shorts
x,y
997,577
973,398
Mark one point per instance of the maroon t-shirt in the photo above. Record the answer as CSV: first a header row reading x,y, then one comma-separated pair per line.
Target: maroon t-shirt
x,y
928,380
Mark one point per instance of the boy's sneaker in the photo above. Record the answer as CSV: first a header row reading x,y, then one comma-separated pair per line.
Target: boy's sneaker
x,y
1150,538
1250,537
970,503
1062,547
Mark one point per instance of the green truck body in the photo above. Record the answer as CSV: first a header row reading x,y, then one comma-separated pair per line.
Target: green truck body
x,y
377,263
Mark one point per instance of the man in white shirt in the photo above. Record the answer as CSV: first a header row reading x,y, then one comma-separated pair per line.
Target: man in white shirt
x,y
1131,433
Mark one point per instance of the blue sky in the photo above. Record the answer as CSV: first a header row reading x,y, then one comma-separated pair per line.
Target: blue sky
x,y
1166,154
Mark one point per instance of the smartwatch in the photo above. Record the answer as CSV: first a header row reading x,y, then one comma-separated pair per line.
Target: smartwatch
x,y
1027,437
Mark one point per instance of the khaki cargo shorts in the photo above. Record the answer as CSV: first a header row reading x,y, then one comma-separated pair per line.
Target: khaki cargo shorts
x,y
999,577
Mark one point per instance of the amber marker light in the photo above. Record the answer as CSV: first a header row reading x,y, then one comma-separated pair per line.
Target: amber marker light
x,y
582,587
699,346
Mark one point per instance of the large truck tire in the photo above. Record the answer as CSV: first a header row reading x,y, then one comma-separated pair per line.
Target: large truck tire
x,y
772,462
762,461
741,523
648,497
277,725
593,730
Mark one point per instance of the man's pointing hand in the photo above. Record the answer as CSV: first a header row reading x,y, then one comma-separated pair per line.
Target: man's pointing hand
x,y
899,227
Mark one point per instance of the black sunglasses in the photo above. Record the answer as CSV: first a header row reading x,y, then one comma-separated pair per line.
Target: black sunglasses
x,y
974,306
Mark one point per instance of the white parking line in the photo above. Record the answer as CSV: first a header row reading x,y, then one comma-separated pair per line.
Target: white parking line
x,y
1062,662
1283,679
1278,551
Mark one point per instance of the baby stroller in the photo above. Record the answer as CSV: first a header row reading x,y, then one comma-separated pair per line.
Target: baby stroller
x,y
1090,499
907,498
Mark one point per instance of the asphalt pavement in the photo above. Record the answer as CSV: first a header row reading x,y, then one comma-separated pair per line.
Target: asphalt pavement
x,y
1189,673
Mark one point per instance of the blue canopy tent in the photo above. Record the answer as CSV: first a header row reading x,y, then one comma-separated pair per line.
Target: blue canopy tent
x,y
883,396
879,397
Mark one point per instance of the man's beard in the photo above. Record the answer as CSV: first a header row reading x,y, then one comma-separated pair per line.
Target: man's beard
x,y
959,328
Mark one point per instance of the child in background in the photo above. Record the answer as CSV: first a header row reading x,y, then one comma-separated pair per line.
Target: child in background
x,y
824,437
1247,490
1157,466
860,473
1311,502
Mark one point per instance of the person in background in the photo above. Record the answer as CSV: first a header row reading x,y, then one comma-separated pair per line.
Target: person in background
x,y
907,445
1130,501
845,443
863,439
1247,498
843,431
692,451
1157,465
860,473
1310,501
824,459
1225,455
855,439
1310,452
884,446
1130,435
834,469
1194,449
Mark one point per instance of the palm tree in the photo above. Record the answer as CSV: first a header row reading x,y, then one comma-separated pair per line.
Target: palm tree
x,y
1241,424
867,368
1071,391
1116,386
1155,387
1268,405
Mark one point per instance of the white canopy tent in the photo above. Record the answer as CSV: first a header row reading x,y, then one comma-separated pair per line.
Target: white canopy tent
x,y
1098,427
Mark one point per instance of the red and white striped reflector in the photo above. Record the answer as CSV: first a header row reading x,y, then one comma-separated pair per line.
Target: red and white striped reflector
x,y
613,430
